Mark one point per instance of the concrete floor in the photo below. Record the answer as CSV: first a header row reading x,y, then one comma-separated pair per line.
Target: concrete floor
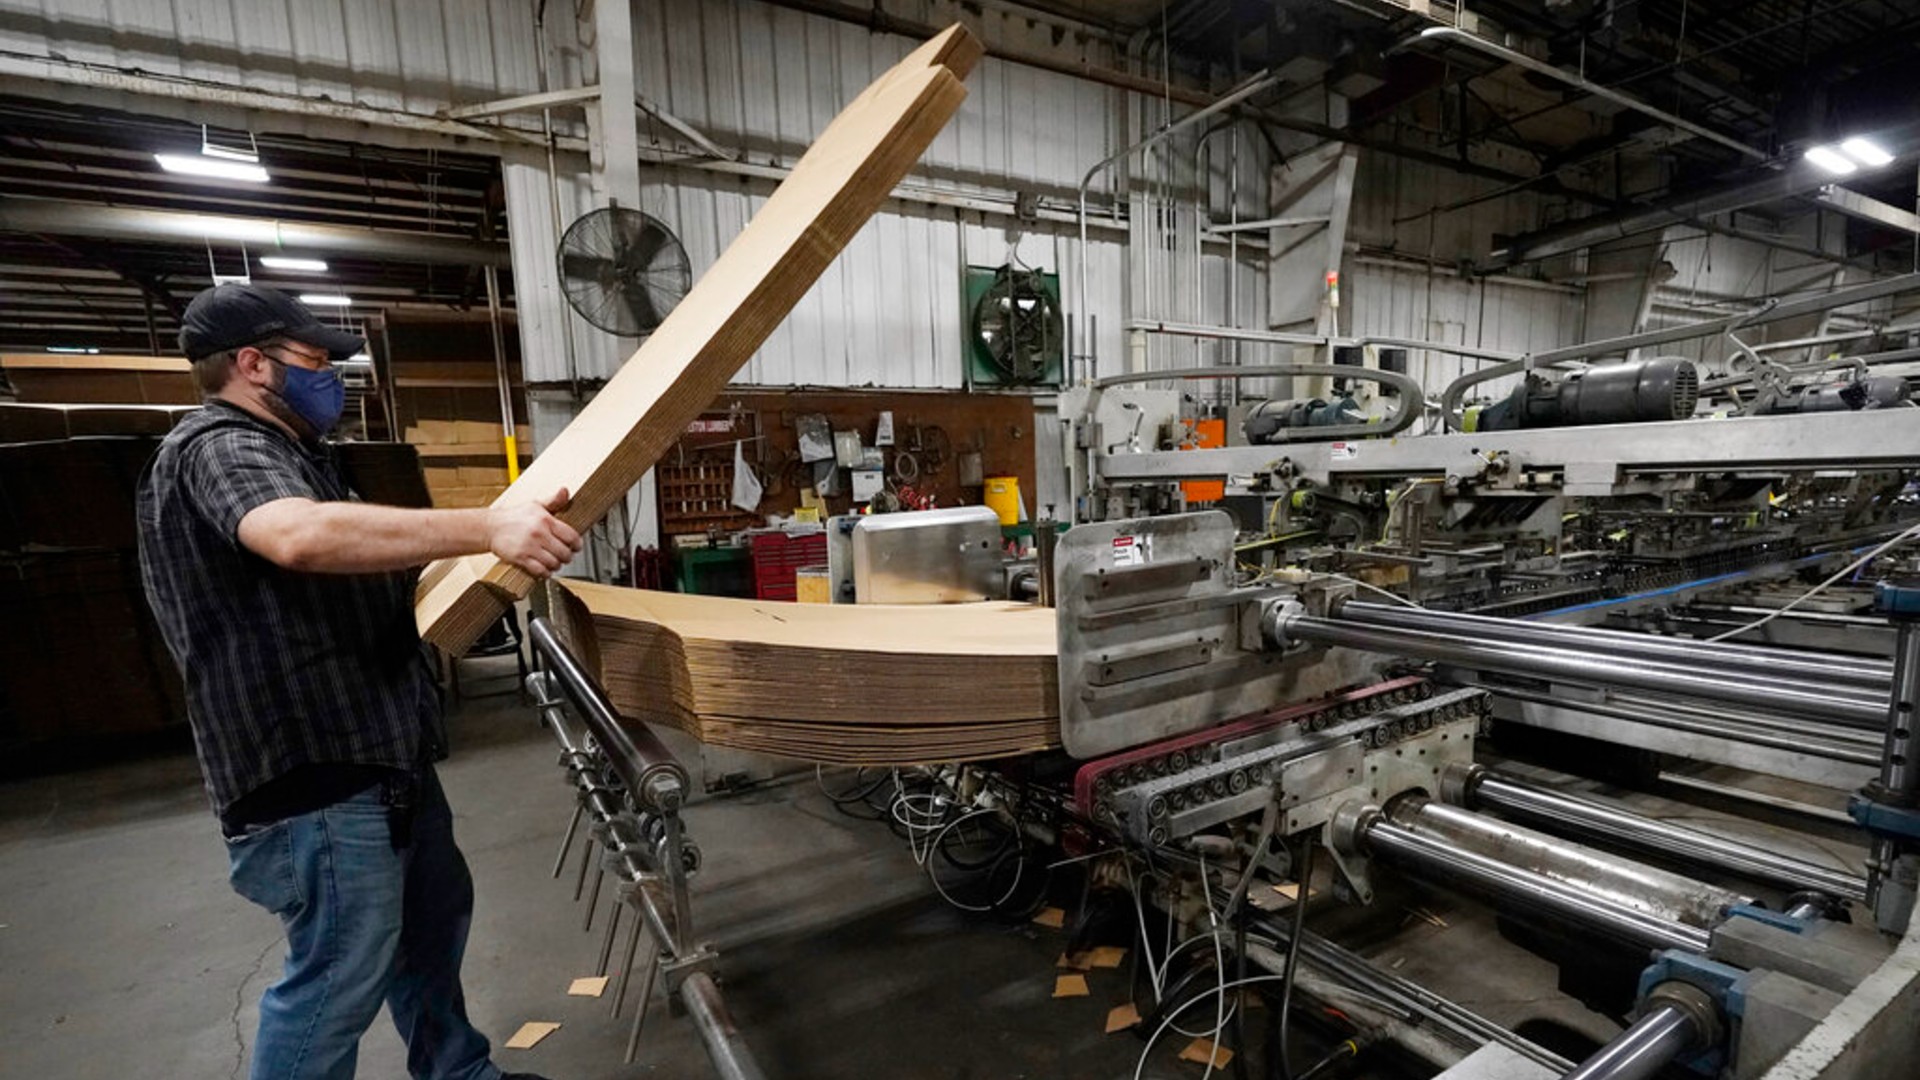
x,y
124,953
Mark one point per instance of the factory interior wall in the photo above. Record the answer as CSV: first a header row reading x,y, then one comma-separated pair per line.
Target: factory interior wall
x,y
888,313
762,80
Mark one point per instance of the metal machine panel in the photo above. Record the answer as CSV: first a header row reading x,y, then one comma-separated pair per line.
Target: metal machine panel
x,y
840,555
927,556
1151,642
1369,758
1875,438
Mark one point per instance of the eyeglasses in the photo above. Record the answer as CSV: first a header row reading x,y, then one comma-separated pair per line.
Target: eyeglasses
x,y
311,361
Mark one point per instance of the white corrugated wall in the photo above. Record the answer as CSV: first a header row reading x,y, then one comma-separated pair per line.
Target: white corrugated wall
x,y
887,313
417,55
1407,301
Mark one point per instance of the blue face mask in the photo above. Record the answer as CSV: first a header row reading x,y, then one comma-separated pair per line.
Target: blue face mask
x,y
317,397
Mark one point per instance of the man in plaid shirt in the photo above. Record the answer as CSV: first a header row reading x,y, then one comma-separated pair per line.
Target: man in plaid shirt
x,y
288,604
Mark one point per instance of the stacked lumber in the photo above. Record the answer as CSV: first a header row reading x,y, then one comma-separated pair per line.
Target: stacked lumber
x,y
867,684
679,370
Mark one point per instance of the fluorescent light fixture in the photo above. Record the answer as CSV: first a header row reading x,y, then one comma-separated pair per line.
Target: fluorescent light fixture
x,y
84,350
201,165
229,153
319,299
1831,160
287,262
1866,152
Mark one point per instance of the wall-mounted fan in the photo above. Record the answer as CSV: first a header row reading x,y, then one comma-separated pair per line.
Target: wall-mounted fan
x,y
1016,335
622,270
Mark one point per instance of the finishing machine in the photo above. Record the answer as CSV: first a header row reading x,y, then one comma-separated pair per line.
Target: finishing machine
x,y
1309,676
1168,655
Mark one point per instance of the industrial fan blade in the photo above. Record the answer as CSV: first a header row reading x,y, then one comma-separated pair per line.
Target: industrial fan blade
x,y
575,265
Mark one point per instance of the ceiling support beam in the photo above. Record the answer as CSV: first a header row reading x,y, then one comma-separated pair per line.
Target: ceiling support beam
x,y
62,218
1455,35
1868,209
1796,179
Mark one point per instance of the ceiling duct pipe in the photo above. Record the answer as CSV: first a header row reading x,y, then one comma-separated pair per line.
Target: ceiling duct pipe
x,y
64,218
1586,86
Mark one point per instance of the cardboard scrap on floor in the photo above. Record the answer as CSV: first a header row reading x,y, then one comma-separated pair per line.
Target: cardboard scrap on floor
x,y
531,1033
1052,918
1106,956
1199,1050
592,986
1066,986
1122,1017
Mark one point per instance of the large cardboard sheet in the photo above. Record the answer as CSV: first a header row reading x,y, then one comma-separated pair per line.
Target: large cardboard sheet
x,y
834,188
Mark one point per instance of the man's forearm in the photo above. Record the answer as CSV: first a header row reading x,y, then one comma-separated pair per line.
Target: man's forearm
x,y
364,538
361,538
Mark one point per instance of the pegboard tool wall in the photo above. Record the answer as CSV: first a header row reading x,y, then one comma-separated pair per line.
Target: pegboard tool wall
x,y
951,423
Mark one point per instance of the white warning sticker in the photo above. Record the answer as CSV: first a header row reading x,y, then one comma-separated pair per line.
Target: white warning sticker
x,y
1129,551
1343,451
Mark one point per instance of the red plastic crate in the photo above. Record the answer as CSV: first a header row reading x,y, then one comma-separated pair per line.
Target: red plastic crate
x,y
776,558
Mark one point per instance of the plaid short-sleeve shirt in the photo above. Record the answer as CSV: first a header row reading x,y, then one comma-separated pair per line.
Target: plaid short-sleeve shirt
x,y
282,669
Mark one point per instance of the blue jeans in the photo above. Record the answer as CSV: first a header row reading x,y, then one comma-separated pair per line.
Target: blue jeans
x,y
365,925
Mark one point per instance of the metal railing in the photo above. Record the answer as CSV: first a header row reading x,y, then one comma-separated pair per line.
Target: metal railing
x,y
631,789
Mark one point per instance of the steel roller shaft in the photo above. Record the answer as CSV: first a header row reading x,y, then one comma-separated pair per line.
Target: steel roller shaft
x,y
1641,1051
1825,740
1371,832
1622,882
1850,707
1478,787
1874,675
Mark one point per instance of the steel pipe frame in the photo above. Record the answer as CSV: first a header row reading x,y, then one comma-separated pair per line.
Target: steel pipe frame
x,y
1425,856
1750,611
653,774
659,782
1898,783
1482,788
1247,89
725,1048
1580,83
1623,883
1407,409
1355,970
1764,662
1283,337
1382,1019
1576,667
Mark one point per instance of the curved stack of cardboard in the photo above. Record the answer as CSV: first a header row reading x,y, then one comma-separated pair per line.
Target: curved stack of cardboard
x,y
853,684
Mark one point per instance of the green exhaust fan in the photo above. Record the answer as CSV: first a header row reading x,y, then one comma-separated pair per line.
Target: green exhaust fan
x,y
1016,336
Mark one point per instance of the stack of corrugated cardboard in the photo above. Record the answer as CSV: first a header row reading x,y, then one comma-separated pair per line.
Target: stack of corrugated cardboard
x,y
464,461
857,684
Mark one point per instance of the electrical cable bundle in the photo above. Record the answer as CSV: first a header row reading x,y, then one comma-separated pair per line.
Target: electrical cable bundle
x,y
967,834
